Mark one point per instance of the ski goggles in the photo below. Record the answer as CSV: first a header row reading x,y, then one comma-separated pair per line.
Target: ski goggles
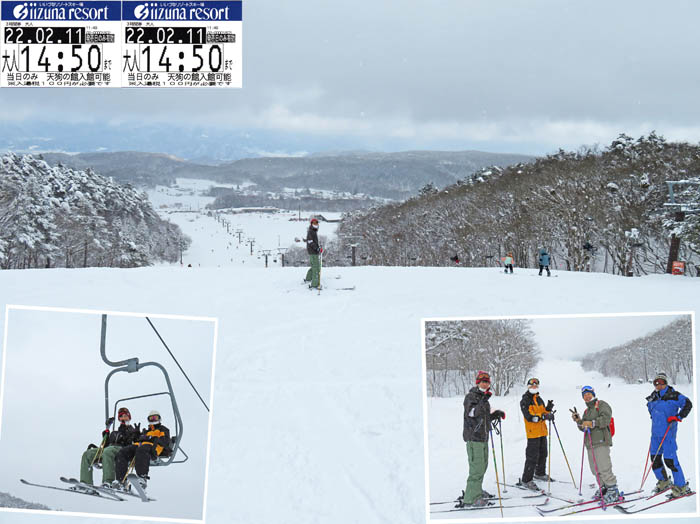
x,y
153,418
659,381
533,382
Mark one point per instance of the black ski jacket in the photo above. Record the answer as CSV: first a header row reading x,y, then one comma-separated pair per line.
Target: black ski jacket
x,y
477,416
156,435
312,245
123,436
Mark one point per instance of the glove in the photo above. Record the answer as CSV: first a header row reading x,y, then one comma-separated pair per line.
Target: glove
x,y
548,416
588,424
105,433
499,414
535,419
673,419
320,250
109,421
550,405
137,427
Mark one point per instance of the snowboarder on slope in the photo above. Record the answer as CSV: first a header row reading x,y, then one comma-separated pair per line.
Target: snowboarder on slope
x,y
475,432
535,415
544,261
153,442
113,441
595,422
667,407
508,262
313,248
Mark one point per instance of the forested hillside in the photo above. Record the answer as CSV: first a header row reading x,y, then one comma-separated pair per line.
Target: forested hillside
x,y
60,217
599,210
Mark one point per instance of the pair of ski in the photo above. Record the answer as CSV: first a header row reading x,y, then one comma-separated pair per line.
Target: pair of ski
x,y
586,503
495,506
97,491
490,498
628,511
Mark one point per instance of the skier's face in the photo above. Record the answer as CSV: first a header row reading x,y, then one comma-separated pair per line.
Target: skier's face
x,y
588,396
484,385
124,418
659,385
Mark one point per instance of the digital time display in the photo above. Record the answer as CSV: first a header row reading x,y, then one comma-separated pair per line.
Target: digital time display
x,y
165,35
44,35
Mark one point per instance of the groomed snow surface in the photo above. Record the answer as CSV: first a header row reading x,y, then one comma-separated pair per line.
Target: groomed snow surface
x,y
318,398
560,380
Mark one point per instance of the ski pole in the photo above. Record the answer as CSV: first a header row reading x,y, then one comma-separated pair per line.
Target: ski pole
x,y
564,452
646,473
583,449
595,465
495,468
129,469
98,453
503,464
549,472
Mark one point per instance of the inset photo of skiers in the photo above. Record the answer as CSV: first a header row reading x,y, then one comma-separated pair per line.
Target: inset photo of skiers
x,y
560,415
107,413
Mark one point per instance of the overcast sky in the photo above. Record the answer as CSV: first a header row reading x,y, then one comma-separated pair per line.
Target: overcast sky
x,y
450,74
575,337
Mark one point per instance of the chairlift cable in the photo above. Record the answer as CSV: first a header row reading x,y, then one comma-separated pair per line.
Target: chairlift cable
x,y
178,364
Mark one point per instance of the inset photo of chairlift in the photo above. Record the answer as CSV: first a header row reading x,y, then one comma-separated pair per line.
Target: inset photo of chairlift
x,y
106,413
576,416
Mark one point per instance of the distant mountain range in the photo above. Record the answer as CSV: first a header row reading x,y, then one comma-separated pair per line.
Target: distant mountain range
x,y
385,175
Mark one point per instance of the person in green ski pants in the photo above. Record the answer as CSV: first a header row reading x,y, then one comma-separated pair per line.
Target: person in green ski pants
x,y
113,441
313,248
477,423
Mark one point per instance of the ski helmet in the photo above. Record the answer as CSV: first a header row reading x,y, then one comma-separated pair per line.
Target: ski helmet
x,y
314,220
482,376
661,378
587,389
123,411
154,417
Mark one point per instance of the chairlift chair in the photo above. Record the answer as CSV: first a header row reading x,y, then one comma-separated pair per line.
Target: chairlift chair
x,y
132,365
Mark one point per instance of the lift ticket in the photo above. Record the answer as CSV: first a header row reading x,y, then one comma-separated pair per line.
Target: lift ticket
x,y
60,43
181,44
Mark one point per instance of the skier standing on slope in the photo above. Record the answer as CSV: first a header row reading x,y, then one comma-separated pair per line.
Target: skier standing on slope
x,y
595,423
313,248
667,407
113,442
508,262
535,415
153,442
544,261
475,432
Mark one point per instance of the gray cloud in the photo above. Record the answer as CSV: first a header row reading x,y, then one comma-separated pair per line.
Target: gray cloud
x,y
510,75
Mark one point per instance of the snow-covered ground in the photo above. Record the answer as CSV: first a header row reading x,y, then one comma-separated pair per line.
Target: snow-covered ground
x,y
318,399
213,245
55,404
560,380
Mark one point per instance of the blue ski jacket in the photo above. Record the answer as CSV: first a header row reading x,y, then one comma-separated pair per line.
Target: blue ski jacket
x,y
544,258
663,404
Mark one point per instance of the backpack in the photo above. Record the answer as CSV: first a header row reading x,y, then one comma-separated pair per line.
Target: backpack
x,y
611,427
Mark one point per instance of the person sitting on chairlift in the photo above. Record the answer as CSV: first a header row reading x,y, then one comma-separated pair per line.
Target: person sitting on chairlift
x,y
153,442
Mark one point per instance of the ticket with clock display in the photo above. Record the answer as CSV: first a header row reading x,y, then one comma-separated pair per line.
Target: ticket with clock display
x,y
181,44
60,43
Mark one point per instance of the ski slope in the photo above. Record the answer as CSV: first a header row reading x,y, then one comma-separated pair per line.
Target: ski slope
x,y
318,398
560,380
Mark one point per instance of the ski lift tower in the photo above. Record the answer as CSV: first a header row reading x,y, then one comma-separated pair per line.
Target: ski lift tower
x,y
681,209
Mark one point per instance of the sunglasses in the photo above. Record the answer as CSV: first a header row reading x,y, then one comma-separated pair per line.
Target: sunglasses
x,y
487,381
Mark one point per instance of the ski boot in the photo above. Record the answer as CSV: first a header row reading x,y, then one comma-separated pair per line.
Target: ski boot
x,y
485,494
527,485
481,502
612,494
143,481
679,491
662,485
544,477
596,495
